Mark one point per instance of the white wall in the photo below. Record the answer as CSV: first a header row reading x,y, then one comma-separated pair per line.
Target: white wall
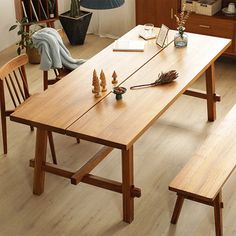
x,y
8,18
113,22
105,23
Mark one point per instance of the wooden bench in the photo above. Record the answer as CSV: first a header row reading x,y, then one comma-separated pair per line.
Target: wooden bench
x,y
203,177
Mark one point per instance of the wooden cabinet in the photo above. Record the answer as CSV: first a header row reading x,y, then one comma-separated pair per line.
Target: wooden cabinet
x,y
162,12
145,11
40,11
156,11
214,26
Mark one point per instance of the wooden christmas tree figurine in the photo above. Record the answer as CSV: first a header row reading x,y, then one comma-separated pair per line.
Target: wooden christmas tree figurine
x,y
114,76
103,81
95,79
97,88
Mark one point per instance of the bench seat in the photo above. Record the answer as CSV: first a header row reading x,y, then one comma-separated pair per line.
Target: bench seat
x,y
203,177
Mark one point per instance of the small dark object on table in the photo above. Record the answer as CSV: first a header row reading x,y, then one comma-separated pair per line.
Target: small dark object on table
x,y
118,91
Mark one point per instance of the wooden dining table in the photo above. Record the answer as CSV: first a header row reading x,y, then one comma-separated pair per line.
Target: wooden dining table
x,y
70,108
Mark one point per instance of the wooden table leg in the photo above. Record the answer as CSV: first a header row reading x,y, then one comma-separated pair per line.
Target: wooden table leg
x,y
40,158
210,88
127,184
218,215
177,210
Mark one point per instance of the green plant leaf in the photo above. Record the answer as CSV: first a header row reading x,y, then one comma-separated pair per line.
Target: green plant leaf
x,y
20,32
12,27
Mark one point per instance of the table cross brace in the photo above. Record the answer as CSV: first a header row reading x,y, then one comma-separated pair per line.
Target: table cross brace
x,y
201,94
97,181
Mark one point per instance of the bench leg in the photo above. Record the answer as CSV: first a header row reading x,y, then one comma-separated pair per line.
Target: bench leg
x,y
218,214
210,88
177,210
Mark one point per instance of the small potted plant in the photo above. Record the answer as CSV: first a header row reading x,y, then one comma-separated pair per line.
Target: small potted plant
x,y
51,8
25,41
181,38
75,23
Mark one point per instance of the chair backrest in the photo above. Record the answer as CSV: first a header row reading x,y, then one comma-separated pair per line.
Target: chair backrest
x,y
13,75
58,73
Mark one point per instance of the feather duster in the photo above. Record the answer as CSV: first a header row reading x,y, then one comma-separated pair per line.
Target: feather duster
x,y
163,78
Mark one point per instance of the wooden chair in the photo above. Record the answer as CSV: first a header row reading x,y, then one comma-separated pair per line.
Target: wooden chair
x,y
13,77
58,73
203,177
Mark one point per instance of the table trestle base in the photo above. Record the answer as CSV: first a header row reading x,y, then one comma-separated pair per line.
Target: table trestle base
x,y
90,165
201,94
90,179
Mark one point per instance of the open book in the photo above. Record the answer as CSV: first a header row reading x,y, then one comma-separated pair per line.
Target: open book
x,y
129,45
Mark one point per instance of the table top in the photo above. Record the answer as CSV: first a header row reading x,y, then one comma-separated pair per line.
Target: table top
x,y
66,101
70,107
121,123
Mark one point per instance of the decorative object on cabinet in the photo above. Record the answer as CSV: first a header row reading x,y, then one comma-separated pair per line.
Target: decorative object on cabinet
x,y
51,8
230,10
190,5
208,7
75,22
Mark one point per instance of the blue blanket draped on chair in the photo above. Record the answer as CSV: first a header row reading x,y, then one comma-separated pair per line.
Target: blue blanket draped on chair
x,y
54,54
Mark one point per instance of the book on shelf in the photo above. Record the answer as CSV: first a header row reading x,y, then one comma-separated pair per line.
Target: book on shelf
x,y
34,11
129,45
43,10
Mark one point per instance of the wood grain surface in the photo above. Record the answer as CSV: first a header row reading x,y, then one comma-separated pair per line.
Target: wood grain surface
x,y
68,100
205,174
121,123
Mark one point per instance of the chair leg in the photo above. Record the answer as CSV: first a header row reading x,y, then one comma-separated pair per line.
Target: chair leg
x,y
4,134
51,143
45,80
78,140
3,117
177,210
218,215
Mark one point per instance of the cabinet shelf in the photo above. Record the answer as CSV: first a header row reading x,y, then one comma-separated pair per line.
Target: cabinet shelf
x,y
36,11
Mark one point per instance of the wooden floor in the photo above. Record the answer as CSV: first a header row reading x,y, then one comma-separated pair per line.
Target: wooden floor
x,y
68,210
